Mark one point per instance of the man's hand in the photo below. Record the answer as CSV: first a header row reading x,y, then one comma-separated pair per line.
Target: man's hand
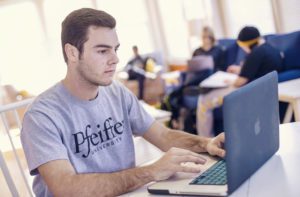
x,y
235,69
215,146
171,162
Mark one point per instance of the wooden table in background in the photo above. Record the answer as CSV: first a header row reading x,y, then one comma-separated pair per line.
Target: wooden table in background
x,y
289,92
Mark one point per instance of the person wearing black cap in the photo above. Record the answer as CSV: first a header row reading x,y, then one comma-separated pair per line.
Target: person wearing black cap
x,y
262,58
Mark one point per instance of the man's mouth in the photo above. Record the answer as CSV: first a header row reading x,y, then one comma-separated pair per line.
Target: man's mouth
x,y
109,71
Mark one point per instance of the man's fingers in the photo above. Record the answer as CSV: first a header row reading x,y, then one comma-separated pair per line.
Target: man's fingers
x,y
180,151
190,158
222,137
184,152
188,169
218,152
215,147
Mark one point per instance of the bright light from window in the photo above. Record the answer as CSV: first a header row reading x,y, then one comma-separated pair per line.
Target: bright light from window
x,y
132,26
249,12
175,27
23,56
30,49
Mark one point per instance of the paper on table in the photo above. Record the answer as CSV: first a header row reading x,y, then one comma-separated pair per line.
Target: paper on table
x,y
156,113
218,80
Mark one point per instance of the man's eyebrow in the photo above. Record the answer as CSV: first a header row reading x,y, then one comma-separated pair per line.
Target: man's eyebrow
x,y
105,46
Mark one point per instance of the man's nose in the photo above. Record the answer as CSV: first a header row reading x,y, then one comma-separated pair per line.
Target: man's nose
x,y
114,58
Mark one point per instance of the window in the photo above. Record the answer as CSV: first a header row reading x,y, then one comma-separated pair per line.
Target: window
x,y
31,53
175,28
248,12
132,26
290,14
198,14
182,23
23,54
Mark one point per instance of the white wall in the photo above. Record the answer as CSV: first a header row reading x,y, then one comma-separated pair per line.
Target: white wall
x,y
290,15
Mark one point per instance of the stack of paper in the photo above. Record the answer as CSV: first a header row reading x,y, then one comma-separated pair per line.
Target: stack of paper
x,y
219,79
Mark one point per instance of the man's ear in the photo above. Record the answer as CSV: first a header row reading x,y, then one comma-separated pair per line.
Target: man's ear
x,y
71,52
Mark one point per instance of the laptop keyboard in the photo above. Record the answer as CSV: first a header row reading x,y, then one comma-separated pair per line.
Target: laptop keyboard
x,y
215,175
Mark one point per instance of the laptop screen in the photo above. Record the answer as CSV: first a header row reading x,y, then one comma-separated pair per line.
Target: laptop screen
x,y
251,125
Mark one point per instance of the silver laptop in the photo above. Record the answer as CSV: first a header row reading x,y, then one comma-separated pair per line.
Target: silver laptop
x,y
200,62
251,124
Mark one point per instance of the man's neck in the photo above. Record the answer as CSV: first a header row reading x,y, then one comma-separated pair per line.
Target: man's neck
x,y
261,41
80,89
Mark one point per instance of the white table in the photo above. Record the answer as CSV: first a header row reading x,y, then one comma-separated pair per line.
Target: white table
x,y
159,115
280,176
289,92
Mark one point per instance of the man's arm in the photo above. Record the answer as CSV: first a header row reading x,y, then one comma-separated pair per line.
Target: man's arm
x,y
240,81
62,180
165,138
235,69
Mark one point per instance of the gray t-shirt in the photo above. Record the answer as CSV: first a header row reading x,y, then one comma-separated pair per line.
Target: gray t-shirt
x,y
94,136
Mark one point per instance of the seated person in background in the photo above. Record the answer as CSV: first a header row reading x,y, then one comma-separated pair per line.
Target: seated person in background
x,y
78,135
209,47
136,70
262,58
199,68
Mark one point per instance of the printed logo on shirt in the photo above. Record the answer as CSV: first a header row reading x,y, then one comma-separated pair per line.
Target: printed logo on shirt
x,y
96,138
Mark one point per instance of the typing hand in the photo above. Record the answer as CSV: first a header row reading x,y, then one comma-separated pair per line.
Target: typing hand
x,y
215,146
171,162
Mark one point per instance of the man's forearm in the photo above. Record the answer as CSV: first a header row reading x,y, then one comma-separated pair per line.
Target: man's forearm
x,y
106,184
176,138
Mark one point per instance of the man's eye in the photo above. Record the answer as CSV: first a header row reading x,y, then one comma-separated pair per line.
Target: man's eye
x,y
102,51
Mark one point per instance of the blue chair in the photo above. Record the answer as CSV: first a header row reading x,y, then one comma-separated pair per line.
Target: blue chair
x,y
233,53
289,44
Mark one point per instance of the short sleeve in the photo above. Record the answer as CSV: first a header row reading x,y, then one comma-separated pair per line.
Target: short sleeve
x,y
41,140
252,65
140,119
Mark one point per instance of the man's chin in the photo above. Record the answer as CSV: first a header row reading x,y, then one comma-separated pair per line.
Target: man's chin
x,y
105,83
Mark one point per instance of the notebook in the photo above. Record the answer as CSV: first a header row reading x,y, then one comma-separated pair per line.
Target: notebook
x,y
251,125
220,79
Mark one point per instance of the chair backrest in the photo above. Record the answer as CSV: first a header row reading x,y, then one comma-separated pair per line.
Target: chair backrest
x,y
289,44
10,113
232,52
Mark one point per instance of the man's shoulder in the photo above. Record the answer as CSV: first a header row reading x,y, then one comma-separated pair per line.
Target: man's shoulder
x,y
115,86
118,86
264,48
47,100
259,51
117,92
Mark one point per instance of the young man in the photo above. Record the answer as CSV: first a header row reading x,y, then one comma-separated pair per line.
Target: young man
x,y
77,136
262,58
